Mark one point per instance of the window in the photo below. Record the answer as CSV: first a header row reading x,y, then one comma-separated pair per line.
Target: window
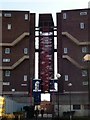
x,y
6,60
87,107
9,26
84,73
76,107
26,16
7,73
56,86
13,90
7,14
64,15
82,25
55,42
83,13
84,49
7,50
36,33
85,83
23,85
25,77
6,83
36,43
65,50
25,50
55,32
37,28
66,77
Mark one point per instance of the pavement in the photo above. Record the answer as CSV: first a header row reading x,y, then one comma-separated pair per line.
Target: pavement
x,y
45,117
39,119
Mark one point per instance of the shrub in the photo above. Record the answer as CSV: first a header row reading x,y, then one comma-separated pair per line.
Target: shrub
x,y
8,117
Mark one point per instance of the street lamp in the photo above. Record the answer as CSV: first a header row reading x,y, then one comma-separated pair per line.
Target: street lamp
x,y
69,85
58,77
87,59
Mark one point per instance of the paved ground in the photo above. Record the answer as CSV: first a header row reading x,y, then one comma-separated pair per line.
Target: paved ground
x,y
45,117
39,119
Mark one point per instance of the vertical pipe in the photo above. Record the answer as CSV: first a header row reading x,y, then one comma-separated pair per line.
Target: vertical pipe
x,y
70,104
1,72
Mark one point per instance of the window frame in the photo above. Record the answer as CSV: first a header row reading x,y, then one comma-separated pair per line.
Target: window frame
x,y
9,26
82,25
7,73
7,14
77,107
65,50
84,73
25,51
26,16
84,49
7,50
64,16
66,77
25,78
6,60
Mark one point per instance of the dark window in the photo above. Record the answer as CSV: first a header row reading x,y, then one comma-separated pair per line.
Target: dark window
x,y
87,107
76,107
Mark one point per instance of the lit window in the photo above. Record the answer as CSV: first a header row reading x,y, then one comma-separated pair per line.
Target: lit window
x,y
55,42
56,86
13,90
25,77
64,15
26,16
36,43
66,77
37,28
6,60
7,50
84,73
55,32
84,49
25,50
7,73
82,25
36,33
9,26
65,50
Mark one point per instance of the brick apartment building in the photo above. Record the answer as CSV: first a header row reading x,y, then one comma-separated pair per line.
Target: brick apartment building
x,y
17,58
73,28
15,47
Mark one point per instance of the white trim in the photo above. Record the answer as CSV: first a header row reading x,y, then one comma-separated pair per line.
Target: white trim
x,y
53,90
36,90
